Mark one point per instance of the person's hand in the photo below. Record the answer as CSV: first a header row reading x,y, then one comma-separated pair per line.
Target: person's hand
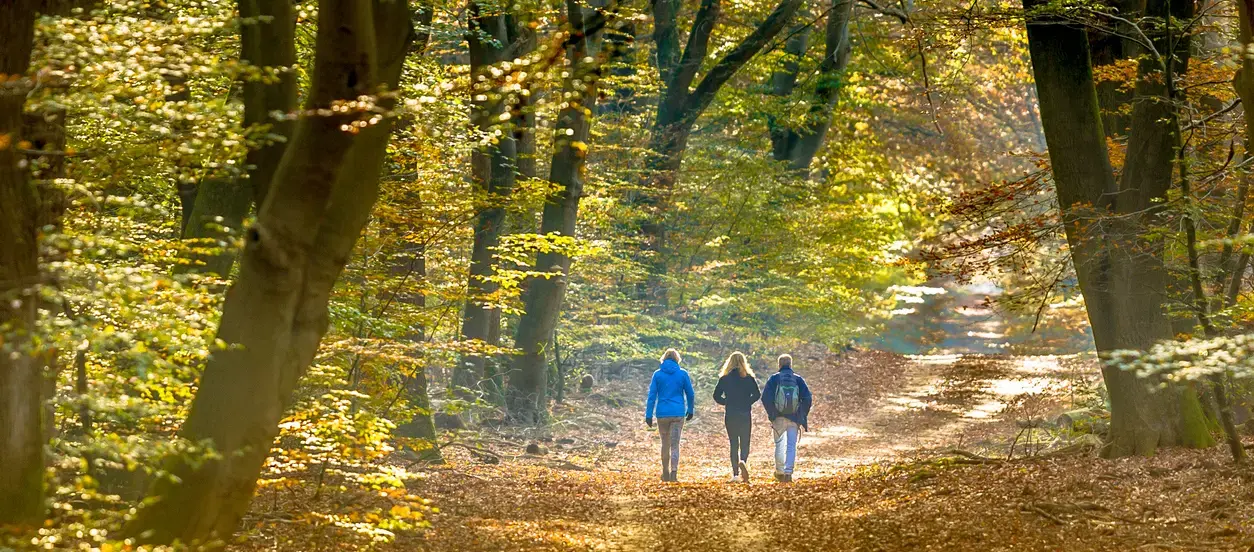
x,y
648,422
689,417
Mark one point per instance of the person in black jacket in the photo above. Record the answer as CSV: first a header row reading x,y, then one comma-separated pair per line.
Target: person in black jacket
x,y
738,390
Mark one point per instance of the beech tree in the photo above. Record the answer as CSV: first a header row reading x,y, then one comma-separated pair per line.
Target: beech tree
x,y
527,393
798,146
1119,262
21,378
683,99
275,315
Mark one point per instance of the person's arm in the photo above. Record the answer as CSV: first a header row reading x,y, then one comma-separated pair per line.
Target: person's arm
x,y
720,394
767,392
756,393
652,402
690,395
806,400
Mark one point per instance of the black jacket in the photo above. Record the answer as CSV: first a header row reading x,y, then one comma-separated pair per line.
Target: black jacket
x,y
736,393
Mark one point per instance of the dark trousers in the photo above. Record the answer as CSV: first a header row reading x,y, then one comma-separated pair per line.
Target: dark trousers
x,y
739,428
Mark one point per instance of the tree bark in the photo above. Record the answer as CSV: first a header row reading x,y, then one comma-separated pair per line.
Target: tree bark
x,y
800,146
267,42
217,215
1122,312
527,394
21,383
680,107
493,169
275,314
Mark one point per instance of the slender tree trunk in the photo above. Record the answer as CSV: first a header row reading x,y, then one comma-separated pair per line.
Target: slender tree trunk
x,y
493,169
528,377
275,313
267,42
21,384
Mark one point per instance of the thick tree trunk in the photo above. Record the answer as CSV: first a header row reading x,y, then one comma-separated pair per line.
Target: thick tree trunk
x,y
493,173
1122,314
21,383
528,377
271,322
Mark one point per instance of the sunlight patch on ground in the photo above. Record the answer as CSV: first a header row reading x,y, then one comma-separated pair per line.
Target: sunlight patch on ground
x,y
939,360
1018,386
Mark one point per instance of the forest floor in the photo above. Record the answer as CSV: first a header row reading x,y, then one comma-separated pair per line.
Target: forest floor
x,y
905,453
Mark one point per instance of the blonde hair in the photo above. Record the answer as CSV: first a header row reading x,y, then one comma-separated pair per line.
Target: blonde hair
x,y
785,361
671,354
737,361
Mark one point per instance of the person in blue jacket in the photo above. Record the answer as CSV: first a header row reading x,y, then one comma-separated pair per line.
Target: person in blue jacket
x,y
671,399
787,401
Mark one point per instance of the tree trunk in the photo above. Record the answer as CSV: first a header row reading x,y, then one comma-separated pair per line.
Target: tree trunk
x,y
783,82
1122,313
268,42
679,108
528,376
799,147
21,384
217,217
493,174
275,313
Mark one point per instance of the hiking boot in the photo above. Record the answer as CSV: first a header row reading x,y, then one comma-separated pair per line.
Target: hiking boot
x,y
787,478
744,472
666,476
675,476
779,478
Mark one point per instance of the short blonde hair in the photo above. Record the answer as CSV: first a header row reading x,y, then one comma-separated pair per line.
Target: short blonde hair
x,y
785,361
737,362
671,354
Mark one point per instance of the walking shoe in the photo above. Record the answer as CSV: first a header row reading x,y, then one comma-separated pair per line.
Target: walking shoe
x,y
675,476
779,477
666,476
744,471
735,478
787,478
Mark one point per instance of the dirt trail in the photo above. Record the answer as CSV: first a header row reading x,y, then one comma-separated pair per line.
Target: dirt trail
x,y
872,408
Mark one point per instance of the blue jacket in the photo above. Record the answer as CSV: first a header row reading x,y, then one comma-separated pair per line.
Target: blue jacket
x,y
803,410
670,392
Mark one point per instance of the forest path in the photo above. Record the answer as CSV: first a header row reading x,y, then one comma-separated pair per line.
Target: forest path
x,y
863,482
